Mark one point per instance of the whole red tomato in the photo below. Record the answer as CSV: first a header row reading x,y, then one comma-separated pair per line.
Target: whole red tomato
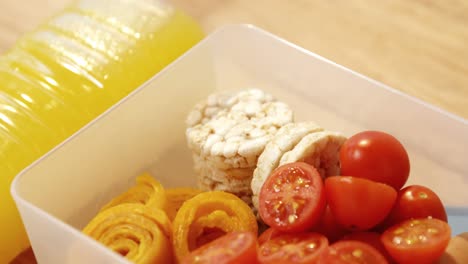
x,y
376,156
416,201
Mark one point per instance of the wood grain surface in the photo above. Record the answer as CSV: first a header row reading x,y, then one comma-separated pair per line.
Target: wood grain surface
x,y
419,47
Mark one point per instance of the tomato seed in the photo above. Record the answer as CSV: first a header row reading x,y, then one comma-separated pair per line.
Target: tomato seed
x,y
397,240
399,231
357,253
311,246
299,180
292,218
276,206
422,238
276,188
295,206
411,240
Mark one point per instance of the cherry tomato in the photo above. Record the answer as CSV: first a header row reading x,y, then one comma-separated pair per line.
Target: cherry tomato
x,y
268,234
416,201
292,198
235,247
293,248
376,156
329,227
346,252
358,204
417,240
372,239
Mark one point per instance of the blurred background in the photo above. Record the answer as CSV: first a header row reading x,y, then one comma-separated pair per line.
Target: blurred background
x,y
419,47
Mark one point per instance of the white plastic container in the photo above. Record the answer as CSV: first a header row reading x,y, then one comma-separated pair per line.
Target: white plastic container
x,y
62,191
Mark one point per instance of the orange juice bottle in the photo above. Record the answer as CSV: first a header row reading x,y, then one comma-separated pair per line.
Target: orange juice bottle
x,y
69,70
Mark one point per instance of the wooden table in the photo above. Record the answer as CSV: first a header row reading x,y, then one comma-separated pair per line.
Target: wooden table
x,y
419,47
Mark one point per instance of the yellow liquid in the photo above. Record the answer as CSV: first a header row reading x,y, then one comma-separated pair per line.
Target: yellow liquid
x,y
69,70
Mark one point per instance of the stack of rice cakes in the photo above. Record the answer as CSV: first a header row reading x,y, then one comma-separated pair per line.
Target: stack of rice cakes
x,y
238,138
228,132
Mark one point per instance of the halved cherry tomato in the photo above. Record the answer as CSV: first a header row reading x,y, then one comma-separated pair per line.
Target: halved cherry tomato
x,y
372,239
376,156
293,248
358,204
416,201
235,247
292,198
268,234
346,252
417,240
328,227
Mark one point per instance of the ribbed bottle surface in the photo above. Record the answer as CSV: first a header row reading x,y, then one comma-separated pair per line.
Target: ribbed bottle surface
x,y
69,70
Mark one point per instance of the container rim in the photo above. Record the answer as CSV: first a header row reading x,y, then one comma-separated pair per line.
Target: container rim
x,y
221,30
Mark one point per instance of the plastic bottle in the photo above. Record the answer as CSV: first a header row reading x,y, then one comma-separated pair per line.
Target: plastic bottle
x,y
69,70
